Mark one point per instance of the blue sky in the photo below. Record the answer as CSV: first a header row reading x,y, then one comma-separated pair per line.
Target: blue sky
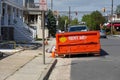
x,y
82,5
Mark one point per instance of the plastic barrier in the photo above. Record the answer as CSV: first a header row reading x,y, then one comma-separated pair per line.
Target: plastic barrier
x,y
78,43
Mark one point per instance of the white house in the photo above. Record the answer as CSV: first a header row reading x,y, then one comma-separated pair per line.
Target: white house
x,y
32,16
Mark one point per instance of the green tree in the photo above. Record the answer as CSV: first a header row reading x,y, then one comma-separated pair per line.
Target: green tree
x,y
51,23
97,19
94,20
118,9
74,21
61,20
87,20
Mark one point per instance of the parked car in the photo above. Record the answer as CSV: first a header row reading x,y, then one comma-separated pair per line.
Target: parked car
x,y
103,34
76,28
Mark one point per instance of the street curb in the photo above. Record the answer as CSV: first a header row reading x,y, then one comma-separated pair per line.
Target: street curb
x,y
46,73
116,35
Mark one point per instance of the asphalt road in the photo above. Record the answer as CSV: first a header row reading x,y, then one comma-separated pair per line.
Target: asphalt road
x,y
105,67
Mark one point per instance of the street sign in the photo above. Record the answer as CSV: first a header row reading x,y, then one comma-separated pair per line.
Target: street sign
x,y
43,8
43,5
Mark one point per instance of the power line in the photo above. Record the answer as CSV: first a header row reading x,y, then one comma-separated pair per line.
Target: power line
x,y
79,12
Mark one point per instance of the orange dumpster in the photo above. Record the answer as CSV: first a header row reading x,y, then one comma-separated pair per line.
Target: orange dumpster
x,y
78,43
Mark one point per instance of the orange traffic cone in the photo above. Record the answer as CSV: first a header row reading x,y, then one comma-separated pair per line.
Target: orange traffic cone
x,y
53,54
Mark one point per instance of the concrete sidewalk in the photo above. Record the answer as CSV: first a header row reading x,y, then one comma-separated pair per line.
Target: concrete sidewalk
x,y
26,65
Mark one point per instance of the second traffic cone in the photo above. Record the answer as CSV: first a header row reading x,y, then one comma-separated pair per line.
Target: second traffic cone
x,y
53,54
46,42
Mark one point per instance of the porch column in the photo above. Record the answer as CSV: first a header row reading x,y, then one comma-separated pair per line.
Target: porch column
x,y
19,15
6,15
15,12
11,15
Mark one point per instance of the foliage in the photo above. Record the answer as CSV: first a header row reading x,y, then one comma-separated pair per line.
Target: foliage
x,y
62,20
61,24
51,23
94,20
118,9
74,21
87,20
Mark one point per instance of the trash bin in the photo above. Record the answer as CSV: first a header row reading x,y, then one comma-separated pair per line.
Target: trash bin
x,y
78,42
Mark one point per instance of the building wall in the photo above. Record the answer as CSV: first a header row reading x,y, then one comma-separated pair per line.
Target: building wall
x,y
9,10
0,7
28,2
0,17
17,3
12,9
34,10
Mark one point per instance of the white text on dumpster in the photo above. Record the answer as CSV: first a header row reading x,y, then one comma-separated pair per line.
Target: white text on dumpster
x,y
77,37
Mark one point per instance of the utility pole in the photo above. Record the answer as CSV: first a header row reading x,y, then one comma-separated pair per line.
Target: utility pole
x,y
69,15
112,8
43,8
51,4
111,17
65,25
43,35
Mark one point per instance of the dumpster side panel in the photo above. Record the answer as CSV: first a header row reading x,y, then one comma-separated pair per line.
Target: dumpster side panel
x,y
78,49
78,42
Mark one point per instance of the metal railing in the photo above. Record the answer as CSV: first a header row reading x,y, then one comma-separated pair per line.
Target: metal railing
x,y
32,6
